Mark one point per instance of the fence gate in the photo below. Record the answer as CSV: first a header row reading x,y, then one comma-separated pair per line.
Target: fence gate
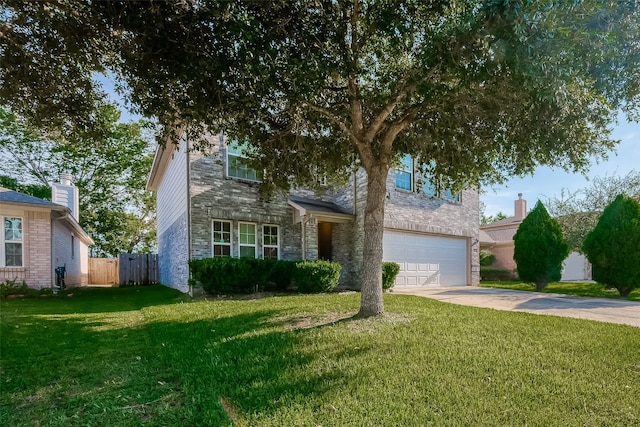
x,y
103,271
138,269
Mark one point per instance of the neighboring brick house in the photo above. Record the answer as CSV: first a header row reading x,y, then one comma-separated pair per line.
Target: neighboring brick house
x,y
498,238
210,205
501,235
39,235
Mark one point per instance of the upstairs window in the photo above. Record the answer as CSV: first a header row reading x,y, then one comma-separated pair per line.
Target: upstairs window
x,y
434,188
237,166
12,242
404,174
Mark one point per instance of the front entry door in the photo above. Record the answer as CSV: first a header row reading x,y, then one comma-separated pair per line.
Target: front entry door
x,y
324,241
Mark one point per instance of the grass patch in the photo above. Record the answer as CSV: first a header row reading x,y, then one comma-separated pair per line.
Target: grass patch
x,y
581,289
137,356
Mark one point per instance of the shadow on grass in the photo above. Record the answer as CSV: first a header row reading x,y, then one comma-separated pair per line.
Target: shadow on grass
x,y
94,368
96,300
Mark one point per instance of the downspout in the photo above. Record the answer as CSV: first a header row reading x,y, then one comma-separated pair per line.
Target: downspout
x,y
188,213
53,276
303,223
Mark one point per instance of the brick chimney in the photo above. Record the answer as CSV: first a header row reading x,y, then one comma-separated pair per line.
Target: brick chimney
x,y
66,194
520,207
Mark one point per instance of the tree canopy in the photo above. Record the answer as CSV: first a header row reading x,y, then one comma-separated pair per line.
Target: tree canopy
x,y
613,246
475,90
110,165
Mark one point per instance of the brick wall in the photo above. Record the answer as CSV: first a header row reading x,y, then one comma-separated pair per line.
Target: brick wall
x,y
37,250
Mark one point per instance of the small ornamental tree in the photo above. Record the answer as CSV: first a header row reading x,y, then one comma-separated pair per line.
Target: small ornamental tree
x,y
540,248
613,247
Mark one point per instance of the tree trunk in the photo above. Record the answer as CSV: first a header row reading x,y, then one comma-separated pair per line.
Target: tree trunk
x,y
371,303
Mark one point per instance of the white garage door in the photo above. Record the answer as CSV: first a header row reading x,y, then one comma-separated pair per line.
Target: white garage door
x,y
426,260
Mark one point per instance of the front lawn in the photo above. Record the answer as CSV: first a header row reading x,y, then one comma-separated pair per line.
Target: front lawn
x,y
581,289
144,356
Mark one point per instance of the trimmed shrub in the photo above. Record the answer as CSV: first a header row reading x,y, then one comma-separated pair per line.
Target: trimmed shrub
x,y
495,274
389,272
317,276
487,258
613,247
223,275
539,248
280,275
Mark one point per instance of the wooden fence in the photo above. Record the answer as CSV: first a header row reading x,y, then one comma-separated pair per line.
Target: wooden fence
x,y
127,269
103,271
138,269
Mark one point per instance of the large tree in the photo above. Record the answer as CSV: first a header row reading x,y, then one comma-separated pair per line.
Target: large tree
x,y
475,90
613,246
110,165
578,211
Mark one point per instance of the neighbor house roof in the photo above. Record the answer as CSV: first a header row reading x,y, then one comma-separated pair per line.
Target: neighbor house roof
x,y
512,220
485,239
16,198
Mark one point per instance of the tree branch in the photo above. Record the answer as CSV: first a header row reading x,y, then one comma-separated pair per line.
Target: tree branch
x,y
403,91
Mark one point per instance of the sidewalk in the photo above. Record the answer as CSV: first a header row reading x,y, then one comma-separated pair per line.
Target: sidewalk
x,y
600,309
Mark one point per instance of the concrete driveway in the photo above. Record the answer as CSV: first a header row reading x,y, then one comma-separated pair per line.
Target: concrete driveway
x,y
601,309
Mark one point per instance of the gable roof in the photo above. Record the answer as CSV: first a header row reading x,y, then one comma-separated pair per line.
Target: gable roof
x,y
17,198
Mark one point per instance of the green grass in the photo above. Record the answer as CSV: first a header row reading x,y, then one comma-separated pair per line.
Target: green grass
x,y
582,289
143,356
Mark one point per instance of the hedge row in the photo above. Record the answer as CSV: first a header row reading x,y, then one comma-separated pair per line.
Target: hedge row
x,y
497,274
248,275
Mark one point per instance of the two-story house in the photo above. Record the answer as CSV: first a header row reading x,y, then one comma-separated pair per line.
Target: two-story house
x,y
210,205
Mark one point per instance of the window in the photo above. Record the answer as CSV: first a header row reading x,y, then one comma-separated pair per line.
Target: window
x,y
270,242
435,189
221,236
247,239
73,247
237,165
404,174
12,242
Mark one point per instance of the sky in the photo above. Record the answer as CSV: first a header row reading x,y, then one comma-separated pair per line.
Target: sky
x,y
548,182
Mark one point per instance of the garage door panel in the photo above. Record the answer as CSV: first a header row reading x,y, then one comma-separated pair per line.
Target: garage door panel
x,y
426,260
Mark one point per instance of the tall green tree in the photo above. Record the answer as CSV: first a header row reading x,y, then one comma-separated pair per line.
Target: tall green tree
x,y
109,164
578,211
475,90
539,248
613,246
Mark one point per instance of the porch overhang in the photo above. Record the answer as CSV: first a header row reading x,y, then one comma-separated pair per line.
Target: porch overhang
x,y
318,210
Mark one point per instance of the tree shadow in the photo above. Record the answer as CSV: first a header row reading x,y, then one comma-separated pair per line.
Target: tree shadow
x,y
84,369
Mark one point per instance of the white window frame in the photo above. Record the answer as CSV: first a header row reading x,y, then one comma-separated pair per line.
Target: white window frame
x,y
411,172
214,243
246,245
241,156
277,245
3,255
